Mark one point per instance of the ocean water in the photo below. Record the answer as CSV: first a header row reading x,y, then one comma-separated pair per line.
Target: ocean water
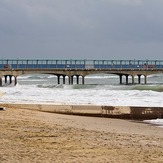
x,y
100,89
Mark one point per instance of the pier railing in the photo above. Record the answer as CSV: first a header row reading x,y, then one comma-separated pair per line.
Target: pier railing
x,y
80,64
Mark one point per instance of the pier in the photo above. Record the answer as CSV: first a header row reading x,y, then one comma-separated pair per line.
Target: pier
x,y
73,70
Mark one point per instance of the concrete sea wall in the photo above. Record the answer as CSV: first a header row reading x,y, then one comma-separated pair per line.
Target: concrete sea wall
x,y
124,112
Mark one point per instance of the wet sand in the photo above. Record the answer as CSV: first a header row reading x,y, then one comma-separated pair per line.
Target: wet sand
x,y
34,136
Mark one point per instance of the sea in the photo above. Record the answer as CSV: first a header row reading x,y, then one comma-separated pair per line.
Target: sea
x,y
99,89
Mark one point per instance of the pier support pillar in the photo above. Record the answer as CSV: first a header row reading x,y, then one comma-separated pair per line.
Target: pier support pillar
x,y
145,79
120,79
10,77
0,81
70,80
133,80
127,79
83,82
5,79
77,79
64,77
58,78
16,80
139,79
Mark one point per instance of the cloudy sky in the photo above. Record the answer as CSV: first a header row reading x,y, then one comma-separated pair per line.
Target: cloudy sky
x,y
81,29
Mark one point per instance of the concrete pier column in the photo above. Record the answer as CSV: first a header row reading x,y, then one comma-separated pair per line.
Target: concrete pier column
x,y
0,81
127,79
77,79
139,79
83,82
145,79
5,79
120,78
58,79
64,79
16,80
10,77
133,79
70,80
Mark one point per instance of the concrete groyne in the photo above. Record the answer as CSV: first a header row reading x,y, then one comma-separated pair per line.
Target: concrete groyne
x,y
123,112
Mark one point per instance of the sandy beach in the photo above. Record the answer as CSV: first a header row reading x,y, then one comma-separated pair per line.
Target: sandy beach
x,y
34,136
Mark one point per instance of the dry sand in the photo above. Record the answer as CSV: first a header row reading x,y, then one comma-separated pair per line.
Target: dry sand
x,y
33,136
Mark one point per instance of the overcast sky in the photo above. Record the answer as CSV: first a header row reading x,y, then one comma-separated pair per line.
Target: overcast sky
x,y
81,29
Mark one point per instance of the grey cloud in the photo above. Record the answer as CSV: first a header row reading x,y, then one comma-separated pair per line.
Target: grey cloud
x,y
94,29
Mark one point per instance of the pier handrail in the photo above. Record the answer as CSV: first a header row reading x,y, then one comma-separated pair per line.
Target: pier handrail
x,y
80,63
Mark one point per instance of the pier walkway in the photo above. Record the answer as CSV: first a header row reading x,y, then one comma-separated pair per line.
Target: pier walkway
x,y
10,69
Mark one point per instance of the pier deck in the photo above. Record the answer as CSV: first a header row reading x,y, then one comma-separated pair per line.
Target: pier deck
x,y
11,69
